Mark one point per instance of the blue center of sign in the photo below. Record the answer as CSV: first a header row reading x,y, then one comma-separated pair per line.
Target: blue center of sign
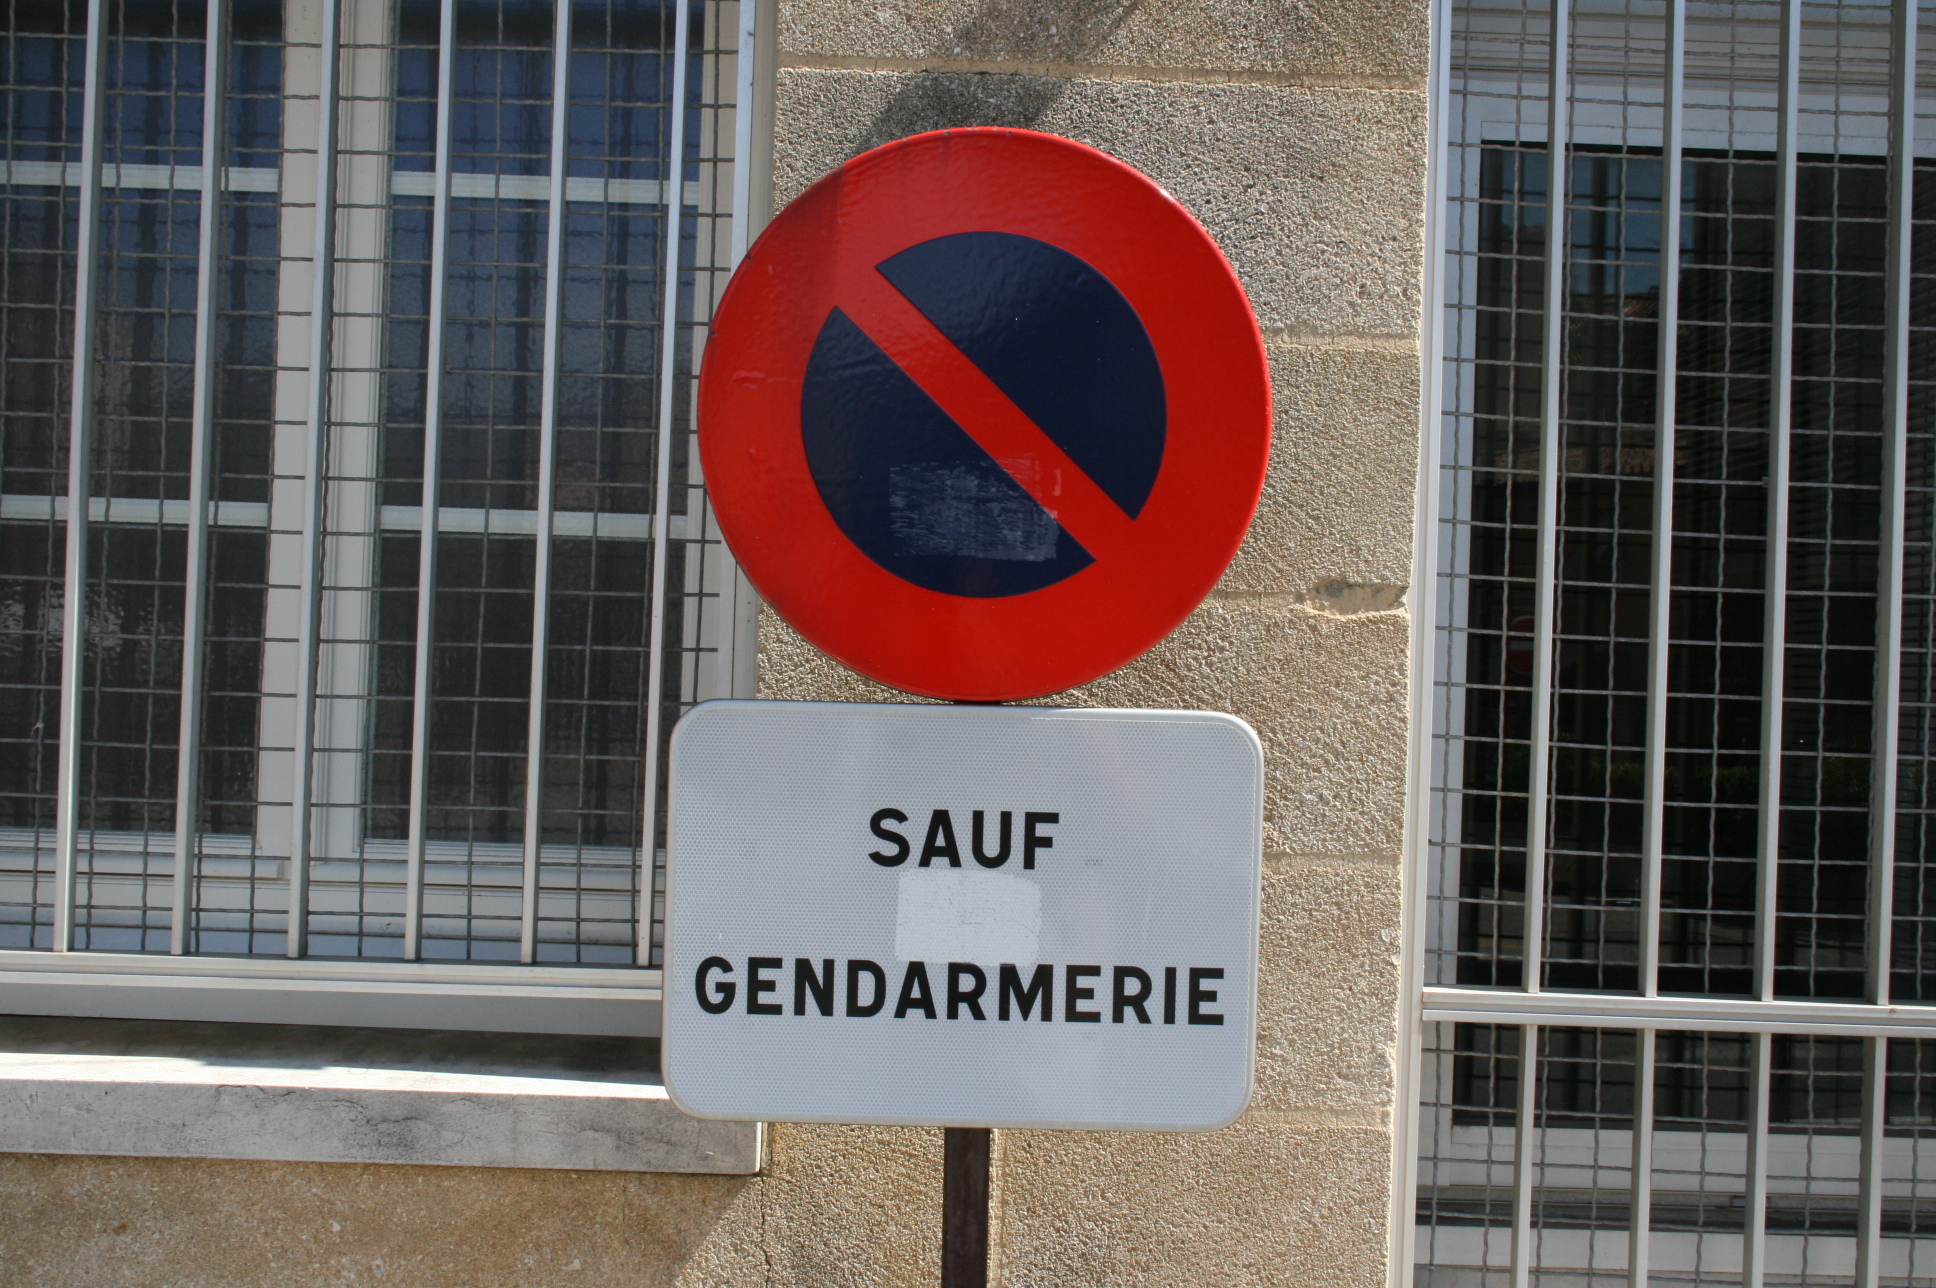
x,y
914,490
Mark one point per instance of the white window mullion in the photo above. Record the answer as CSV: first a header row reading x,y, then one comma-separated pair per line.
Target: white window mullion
x,y
80,467
360,271
201,430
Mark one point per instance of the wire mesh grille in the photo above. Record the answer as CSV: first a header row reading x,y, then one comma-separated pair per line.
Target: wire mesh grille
x,y
1573,1173
1697,1209
308,688
1720,550
1699,761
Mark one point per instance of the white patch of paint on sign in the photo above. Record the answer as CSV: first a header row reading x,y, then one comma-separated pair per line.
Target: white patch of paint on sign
x,y
948,915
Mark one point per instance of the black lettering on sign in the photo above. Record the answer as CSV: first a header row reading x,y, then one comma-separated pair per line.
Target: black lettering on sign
x,y
1200,996
807,980
1041,985
857,969
900,843
1132,991
718,999
958,996
1000,856
1031,840
941,841
1073,993
915,992
757,984
1122,999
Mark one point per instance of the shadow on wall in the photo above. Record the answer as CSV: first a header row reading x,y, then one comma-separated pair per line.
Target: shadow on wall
x,y
1019,31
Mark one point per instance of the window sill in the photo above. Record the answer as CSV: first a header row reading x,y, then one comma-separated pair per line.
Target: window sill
x,y
618,1001
351,1095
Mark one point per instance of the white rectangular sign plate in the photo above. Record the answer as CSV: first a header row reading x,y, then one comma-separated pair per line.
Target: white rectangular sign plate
x,y
965,916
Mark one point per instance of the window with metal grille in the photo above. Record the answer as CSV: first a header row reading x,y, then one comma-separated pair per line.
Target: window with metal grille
x,y
1676,1023
351,582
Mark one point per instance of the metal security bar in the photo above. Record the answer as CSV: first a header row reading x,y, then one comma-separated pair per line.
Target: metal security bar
x,y
1774,618
547,482
188,780
668,400
432,481
360,622
315,460
1675,1021
1661,578
1559,98
1778,1155
80,463
1891,520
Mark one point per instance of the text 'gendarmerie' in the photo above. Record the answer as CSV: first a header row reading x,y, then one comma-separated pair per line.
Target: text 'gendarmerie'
x,y
963,991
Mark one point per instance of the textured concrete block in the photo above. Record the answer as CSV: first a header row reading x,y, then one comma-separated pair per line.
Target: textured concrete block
x,y
1316,195
1373,42
1327,1025
1326,694
1252,1204
77,1222
792,669
1334,524
853,1206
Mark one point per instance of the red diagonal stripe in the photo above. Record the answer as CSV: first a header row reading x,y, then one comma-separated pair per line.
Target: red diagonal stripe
x,y
985,413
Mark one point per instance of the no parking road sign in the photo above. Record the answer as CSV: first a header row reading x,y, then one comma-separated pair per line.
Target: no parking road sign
x,y
984,414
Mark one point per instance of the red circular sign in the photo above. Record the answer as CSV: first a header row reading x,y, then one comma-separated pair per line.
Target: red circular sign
x,y
984,414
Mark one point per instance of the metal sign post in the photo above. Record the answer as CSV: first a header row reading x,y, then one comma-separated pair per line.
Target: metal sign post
x,y
966,1156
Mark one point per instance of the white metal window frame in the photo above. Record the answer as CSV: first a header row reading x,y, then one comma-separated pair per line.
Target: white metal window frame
x,y
411,993
1530,1007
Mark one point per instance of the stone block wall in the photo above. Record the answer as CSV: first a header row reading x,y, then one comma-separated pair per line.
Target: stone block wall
x,y
1297,134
